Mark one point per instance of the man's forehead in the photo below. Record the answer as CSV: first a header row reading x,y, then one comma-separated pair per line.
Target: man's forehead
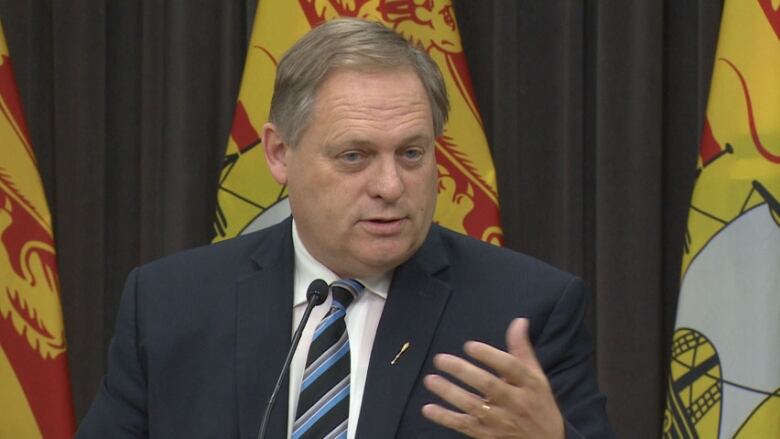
x,y
348,74
381,89
351,103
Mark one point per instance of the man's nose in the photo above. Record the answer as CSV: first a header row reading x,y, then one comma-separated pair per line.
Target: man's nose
x,y
387,182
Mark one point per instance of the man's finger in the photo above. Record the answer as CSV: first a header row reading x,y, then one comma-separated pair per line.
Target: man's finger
x,y
489,385
459,397
459,422
519,344
509,367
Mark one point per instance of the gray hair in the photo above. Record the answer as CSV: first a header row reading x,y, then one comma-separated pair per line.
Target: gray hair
x,y
347,43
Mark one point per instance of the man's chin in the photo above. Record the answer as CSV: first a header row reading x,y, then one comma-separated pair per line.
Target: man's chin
x,y
383,259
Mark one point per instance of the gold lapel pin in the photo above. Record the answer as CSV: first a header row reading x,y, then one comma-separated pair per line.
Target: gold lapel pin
x,y
404,348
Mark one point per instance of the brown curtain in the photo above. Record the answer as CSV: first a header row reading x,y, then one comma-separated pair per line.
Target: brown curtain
x,y
593,111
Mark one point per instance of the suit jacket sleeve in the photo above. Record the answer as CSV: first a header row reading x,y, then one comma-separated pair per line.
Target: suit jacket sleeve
x,y
565,351
119,411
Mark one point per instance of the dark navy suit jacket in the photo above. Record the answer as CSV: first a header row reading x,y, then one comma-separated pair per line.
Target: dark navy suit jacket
x,y
201,337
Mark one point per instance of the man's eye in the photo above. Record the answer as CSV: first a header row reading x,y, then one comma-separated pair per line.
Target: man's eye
x,y
413,154
351,156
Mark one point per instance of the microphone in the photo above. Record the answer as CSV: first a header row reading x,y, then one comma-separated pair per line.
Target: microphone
x,y
315,295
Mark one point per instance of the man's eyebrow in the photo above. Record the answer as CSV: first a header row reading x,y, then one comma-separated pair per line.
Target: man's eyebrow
x,y
366,143
359,143
415,139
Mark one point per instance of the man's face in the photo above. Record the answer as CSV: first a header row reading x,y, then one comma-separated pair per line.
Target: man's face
x,y
362,180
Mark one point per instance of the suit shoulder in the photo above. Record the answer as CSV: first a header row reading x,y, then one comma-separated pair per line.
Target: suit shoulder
x,y
504,262
230,256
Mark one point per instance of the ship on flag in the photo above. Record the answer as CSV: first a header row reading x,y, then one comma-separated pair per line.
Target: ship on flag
x,y
35,396
724,377
249,199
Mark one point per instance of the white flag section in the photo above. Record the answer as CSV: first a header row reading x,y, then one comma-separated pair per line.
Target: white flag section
x,y
725,368
730,297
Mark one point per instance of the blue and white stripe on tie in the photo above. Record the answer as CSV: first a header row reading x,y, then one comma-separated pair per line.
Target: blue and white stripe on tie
x,y
323,404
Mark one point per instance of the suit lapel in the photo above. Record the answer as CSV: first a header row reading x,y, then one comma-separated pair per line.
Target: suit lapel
x,y
411,314
263,326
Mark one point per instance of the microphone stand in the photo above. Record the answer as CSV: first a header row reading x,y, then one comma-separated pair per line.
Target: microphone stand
x,y
315,296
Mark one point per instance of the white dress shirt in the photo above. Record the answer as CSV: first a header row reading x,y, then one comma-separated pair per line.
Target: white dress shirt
x,y
362,320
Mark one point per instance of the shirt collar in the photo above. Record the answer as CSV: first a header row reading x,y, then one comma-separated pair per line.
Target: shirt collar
x,y
307,269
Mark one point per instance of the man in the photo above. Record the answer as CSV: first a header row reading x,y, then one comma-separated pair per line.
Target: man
x,y
201,336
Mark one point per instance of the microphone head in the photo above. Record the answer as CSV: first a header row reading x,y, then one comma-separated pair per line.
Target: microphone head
x,y
317,292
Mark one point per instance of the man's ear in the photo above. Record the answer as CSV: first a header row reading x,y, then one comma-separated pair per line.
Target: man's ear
x,y
275,152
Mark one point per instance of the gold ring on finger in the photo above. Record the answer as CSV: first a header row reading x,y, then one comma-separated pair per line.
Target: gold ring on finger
x,y
484,410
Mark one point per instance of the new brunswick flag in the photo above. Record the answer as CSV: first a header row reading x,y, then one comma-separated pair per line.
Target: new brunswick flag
x,y
35,399
248,197
725,367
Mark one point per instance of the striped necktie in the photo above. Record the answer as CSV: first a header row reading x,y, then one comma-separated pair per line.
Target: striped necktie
x,y
323,404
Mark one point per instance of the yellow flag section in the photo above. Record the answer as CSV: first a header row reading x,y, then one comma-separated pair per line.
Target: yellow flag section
x,y
725,367
249,199
35,397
